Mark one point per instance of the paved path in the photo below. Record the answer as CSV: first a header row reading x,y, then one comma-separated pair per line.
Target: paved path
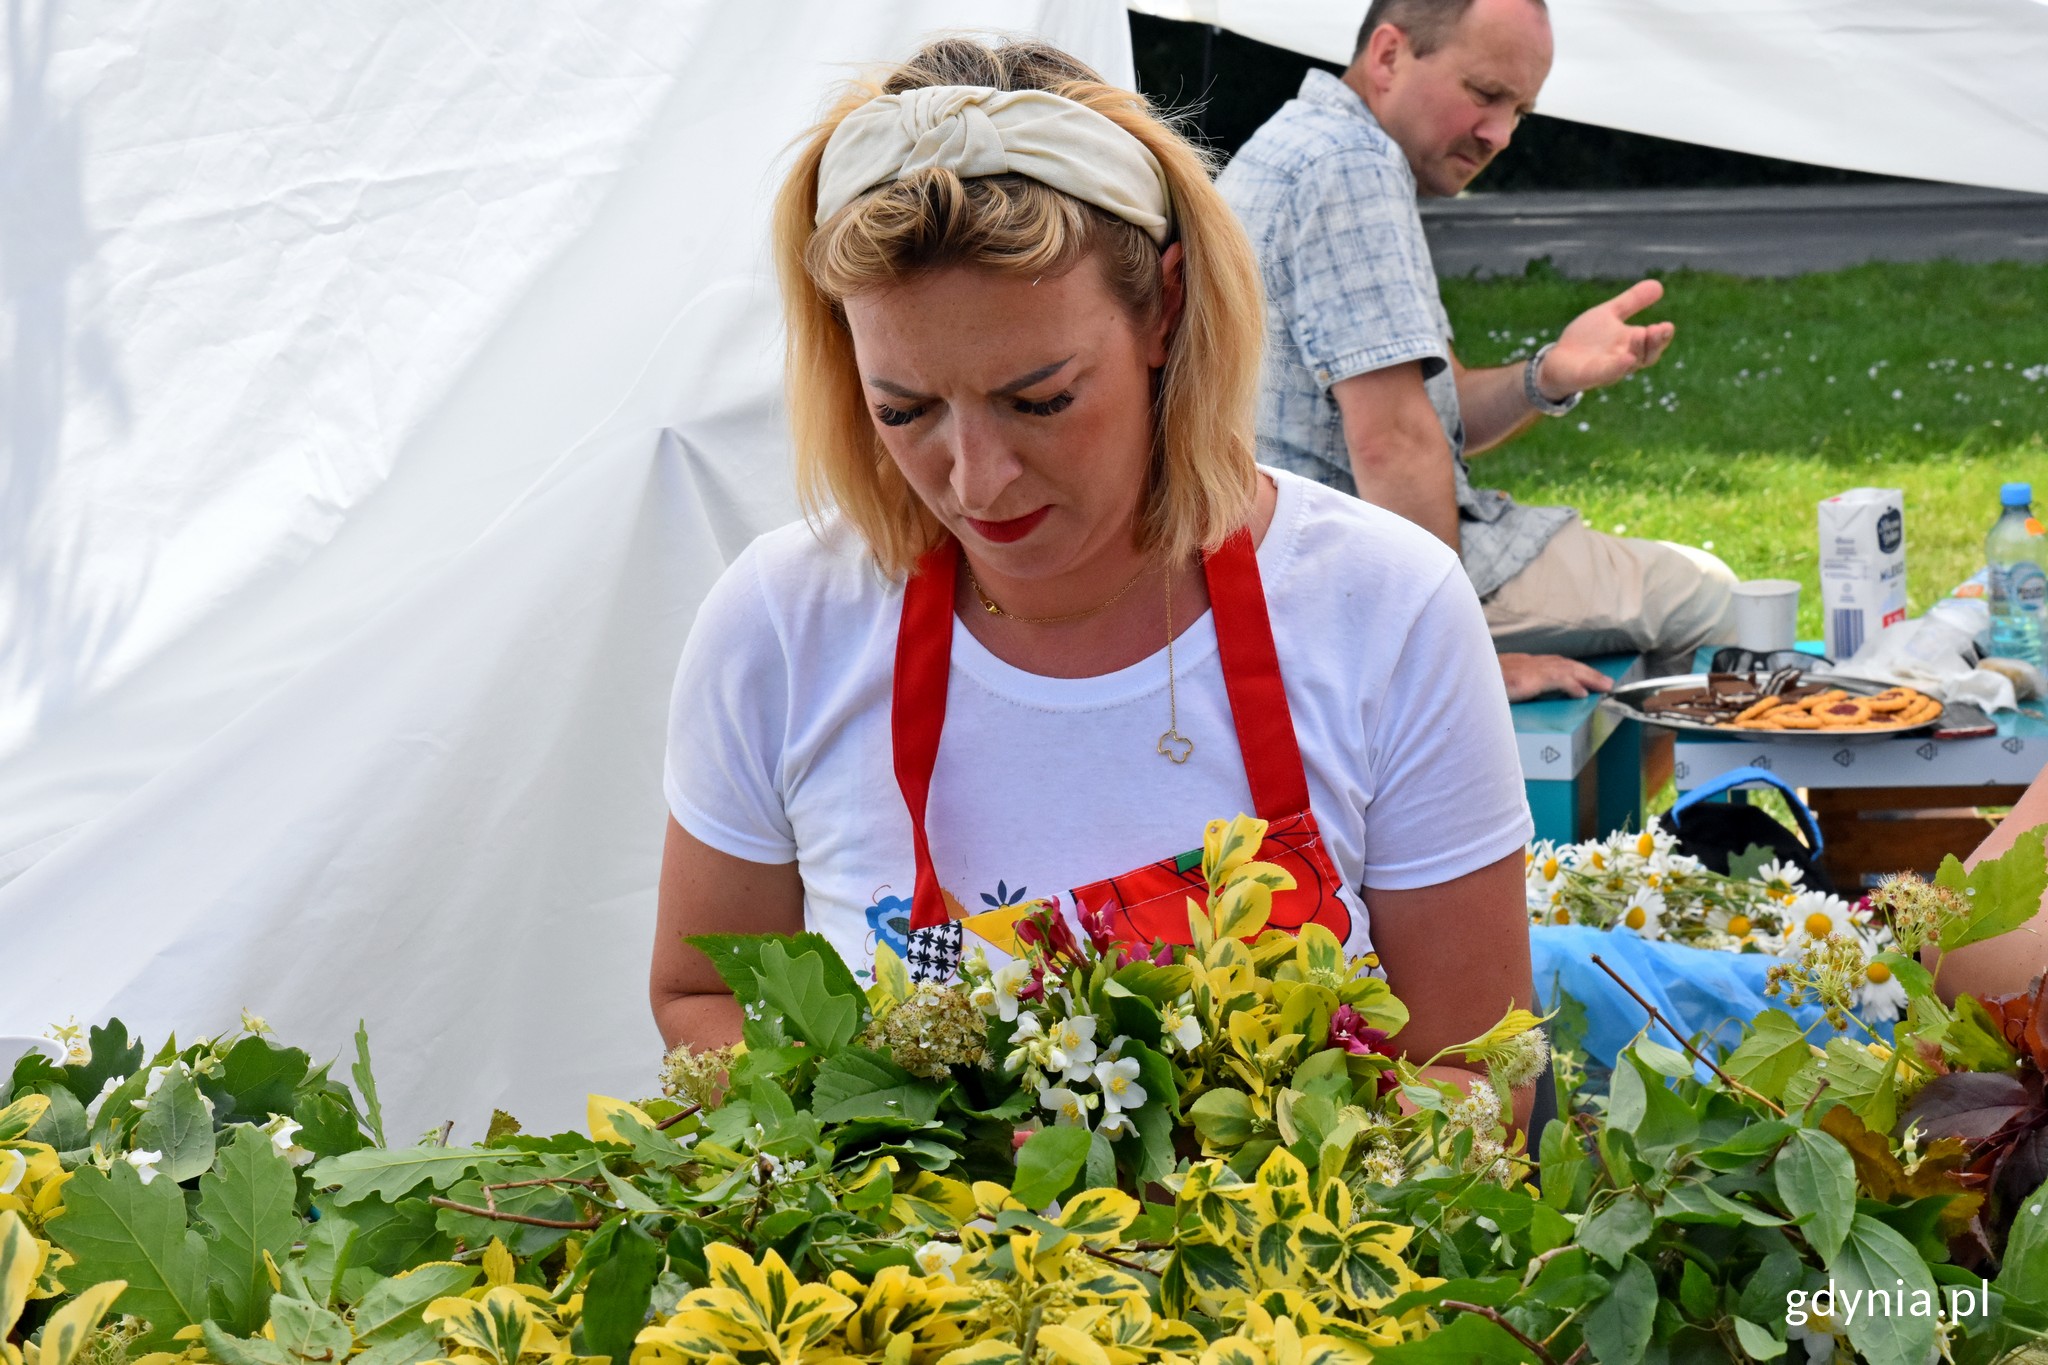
x,y
1783,231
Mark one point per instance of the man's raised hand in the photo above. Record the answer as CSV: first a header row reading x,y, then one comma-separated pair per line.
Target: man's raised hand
x,y
1601,347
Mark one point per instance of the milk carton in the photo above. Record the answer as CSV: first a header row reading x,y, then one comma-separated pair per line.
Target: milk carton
x,y
1862,565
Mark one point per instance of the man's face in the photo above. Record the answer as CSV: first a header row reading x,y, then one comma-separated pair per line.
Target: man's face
x,y
1453,111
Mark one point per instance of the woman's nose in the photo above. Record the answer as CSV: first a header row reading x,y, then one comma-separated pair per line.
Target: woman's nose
x,y
983,466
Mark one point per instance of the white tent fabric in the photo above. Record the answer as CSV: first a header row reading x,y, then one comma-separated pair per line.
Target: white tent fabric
x,y
381,386
1952,90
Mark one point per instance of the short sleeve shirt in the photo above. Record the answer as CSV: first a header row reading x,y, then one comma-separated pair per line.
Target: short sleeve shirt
x,y
1329,202
779,741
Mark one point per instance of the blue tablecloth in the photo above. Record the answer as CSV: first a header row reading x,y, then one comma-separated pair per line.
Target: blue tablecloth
x,y
1696,989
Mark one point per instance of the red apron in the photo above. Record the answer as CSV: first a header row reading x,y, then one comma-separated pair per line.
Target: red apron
x,y
1148,904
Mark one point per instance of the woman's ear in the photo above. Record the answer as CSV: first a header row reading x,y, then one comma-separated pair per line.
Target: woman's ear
x,y
1172,295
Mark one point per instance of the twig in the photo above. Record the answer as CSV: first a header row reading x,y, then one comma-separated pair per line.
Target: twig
x,y
1813,1097
1498,1321
446,1129
579,1225
1576,1356
673,1119
1119,1261
1684,1042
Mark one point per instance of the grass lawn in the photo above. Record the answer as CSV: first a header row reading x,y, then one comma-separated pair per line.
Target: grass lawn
x,y
1777,393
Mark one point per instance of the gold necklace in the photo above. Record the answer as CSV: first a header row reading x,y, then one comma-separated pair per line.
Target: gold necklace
x,y
1172,744
988,604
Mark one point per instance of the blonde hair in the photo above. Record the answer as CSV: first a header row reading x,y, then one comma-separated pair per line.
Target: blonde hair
x,y
1203,474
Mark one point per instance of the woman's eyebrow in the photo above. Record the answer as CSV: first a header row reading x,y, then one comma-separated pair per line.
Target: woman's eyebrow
x,y
1037,376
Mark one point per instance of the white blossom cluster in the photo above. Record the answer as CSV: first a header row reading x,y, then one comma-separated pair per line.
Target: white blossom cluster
x,y
1642,884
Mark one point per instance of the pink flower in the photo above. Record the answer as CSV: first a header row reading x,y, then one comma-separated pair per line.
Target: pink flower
x,y
1349,1031
1096,924
1046,929
1034,989
1160,956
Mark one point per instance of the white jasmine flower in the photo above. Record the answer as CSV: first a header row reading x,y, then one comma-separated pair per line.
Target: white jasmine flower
x,y
282,1130
1177,1021
1115,1123
1004,983
144,1163
1066,1105
92,1111
254,1023
1073,1047
937,1258
13,1166
1119,1081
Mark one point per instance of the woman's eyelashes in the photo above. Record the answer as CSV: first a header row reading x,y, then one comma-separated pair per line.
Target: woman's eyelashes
x,y
903,417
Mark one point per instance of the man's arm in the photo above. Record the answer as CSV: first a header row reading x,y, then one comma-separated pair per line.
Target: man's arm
x,y
1400,457
1598,348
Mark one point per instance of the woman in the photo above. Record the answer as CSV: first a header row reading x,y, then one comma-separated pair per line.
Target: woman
x,y
1023,349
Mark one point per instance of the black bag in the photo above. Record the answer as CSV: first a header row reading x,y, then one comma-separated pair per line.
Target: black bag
x,y
1717,831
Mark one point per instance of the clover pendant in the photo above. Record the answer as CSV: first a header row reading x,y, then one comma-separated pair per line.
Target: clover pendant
x,y
1176,746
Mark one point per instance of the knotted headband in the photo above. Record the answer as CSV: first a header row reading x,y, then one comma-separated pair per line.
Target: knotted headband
x,y
973,130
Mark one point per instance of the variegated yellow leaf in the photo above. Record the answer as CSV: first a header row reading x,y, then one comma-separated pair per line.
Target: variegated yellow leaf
x,y
1099,1216
600,1110
71,1326
21,1262
22,1115
1228,845
1063,1343
499,1267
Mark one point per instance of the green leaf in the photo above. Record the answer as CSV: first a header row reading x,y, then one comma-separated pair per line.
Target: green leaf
x,y
1048,1162
1663,1120
737,960
177,1124
1816,1178
1749,1142
1875,1258
1771,1053
329,1124
327,1259
1098,1172
390,1237
1616,1230
246,1200
615,1301
366,1083
309,1332
1698,1295
385,1173
390,1309
1744,866
122,1229
795,989
261,1077
231,1350
1756,1342
2002,894
414,1348
62,1125
2023,1275
1971,1041
1465,1338
112,1055
859,1084
1223,1118
1618,1328
1916,979
1763,1295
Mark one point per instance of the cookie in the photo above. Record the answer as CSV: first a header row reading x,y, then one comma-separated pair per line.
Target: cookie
x,y
1767,704
1840,714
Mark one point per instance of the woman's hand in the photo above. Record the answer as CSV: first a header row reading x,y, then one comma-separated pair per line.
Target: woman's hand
x,y
704,891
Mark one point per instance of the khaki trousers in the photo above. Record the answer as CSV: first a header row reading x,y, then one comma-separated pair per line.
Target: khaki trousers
x,y
1589,593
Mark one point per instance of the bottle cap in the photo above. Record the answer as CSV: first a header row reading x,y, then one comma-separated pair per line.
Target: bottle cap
x,y
2015,494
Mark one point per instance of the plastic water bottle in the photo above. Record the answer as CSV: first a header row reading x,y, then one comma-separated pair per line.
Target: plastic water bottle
x,y
2014,552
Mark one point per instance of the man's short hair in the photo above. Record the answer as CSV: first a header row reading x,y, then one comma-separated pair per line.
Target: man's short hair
x,y
1428,23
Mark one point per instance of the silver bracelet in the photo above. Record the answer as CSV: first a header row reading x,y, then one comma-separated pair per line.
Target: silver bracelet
x,y
1535,395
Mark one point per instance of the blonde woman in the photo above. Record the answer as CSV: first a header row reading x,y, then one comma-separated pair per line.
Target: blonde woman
x,y
1048,616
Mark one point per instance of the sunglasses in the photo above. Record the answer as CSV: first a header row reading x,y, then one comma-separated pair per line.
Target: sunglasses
x,y
1735,659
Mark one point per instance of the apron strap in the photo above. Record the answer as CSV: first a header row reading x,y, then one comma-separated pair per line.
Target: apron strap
x,y
1251,678
924,655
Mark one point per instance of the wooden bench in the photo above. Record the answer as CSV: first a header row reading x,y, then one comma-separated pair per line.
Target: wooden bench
x,y
1582,766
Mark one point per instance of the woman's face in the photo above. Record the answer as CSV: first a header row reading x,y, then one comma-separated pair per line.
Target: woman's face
x,y
1020,410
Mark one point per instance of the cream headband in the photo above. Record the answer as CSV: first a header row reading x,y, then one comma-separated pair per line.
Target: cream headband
x,y
973,130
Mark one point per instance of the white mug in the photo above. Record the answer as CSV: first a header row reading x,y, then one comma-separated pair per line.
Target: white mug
x,y
1767,614
15,1046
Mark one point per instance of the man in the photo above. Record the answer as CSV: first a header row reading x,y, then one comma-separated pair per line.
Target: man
x,y
1361,388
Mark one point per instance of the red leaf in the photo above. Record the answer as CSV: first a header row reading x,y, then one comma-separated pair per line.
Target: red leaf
x,y
1971,1105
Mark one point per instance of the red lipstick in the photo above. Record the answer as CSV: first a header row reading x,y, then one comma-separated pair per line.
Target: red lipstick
x,y
1003,532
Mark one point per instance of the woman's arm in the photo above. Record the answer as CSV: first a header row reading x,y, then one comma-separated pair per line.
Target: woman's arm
x,y
704,891
1457,954
2009,963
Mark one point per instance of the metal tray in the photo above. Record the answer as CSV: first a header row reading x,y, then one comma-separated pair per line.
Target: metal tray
x,y
1625,701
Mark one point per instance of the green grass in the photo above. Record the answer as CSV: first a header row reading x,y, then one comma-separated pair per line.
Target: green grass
x,y
1778,393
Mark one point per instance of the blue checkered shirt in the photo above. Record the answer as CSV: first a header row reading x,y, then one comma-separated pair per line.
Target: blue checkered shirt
x,y
1329,202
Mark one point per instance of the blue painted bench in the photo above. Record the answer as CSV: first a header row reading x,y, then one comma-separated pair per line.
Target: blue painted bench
x,y
1582,766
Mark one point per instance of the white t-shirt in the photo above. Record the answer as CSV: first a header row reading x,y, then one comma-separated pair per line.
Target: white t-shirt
x,y
779,734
